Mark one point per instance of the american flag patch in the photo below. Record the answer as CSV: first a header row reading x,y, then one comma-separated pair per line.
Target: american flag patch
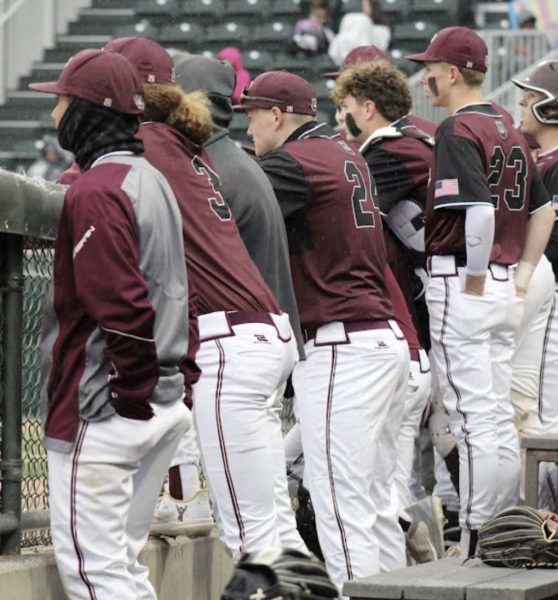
x,y
446,187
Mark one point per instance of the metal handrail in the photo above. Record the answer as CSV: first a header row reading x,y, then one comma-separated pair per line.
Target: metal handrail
x,y
6,16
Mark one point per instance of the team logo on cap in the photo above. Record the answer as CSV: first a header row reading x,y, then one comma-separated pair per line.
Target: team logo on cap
x,y
138,101
151,78
314,104
173,75
107,102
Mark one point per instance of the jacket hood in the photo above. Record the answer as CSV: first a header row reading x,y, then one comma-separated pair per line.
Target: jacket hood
x,y
217,79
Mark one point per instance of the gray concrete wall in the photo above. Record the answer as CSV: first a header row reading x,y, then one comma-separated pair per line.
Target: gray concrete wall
x,y
180,569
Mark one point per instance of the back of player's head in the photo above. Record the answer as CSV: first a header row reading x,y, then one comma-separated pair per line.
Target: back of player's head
x,y
165,102
152,61
378,81
214,77
544,80
286,91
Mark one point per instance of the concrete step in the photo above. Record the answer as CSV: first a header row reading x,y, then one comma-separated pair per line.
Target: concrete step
x,y
101,21
67,45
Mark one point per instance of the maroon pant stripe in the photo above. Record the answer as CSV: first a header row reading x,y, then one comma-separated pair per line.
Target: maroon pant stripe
x,y
73,513
330,465
458,403
222,445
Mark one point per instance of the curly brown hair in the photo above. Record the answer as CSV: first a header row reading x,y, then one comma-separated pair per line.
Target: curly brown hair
x,y
375,80
189,113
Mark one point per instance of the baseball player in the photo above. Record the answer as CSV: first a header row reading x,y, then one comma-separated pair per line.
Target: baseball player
x,y
539,118
487,210
114,337
257,215
374,102
373,53
350,387
247,348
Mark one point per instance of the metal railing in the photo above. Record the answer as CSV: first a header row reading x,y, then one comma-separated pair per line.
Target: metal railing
x,y
29,212
509,53
26,28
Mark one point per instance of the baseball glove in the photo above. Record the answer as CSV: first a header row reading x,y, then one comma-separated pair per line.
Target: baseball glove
x,y
279,574
520,536
306,522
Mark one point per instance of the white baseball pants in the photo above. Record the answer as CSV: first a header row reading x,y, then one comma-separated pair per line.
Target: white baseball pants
x,y
416,398
242,366
529,343
350,397
102,500
472,347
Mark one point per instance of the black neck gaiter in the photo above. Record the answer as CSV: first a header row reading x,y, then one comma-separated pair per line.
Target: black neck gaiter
x,y
91,131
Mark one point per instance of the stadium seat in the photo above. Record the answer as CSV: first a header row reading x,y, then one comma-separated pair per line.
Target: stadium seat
x,y
257,62
323,89
441,12
272,36
415,36
142,27
287,8
348,6
208,11
395,10
158,8
248,11
398,56
226,34
185,35
324,64
300,65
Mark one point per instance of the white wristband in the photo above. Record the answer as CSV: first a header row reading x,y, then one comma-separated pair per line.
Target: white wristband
x,y
523,274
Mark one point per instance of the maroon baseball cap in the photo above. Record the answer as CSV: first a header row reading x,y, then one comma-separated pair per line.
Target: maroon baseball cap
x,y
287,91
459,46
103,78
359,54
153,62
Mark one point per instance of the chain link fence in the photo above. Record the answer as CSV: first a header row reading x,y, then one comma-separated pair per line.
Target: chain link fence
x,y
37,272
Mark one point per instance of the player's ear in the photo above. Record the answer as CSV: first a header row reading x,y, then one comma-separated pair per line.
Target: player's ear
x,y
454,73
278,116
370,108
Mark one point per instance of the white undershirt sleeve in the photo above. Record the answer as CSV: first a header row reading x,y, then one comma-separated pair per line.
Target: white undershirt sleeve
x,y
479,237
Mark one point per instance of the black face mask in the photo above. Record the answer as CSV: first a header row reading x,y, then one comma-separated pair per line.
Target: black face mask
x,y
353,128
432,85
90,131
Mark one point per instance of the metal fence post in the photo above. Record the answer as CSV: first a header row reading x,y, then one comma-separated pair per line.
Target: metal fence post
x,y
11,465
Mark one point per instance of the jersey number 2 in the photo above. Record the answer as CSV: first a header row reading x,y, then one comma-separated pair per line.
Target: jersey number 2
x,y
363,205
216,202
508,170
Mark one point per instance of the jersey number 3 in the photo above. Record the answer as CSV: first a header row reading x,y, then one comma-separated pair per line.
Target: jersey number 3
x,y
216,201
363,204
506,178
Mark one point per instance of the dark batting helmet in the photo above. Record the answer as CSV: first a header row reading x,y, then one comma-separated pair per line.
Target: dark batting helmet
x,y
543,79
279,574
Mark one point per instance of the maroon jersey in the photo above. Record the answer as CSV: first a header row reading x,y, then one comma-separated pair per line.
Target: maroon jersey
x,y
400,158
481,159
334,229
547,163
425,125
402,314
224,276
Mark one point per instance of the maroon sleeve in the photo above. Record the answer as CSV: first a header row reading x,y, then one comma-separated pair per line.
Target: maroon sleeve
x,y
70,174
114,293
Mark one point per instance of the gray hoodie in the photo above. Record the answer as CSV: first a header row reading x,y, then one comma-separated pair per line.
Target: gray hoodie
x,y
246,188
